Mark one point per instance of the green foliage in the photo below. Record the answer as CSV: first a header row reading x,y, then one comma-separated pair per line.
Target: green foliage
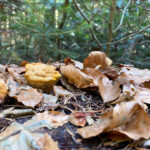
x,y
36,30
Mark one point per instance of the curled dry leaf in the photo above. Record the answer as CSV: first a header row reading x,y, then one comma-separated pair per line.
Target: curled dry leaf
x,y
108,89
96,58
76,77
94,74
134,75
41,75
128,118
30,97
75,63
60,91
3,90
54,118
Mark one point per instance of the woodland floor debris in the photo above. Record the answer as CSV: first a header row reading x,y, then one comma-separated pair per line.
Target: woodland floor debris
x,y
93,106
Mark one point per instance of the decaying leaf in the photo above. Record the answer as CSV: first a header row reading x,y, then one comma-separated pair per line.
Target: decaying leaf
x,y
110,72
47,143
96,58
61,91
18,137
3,90
76,77
78,119
128,118
108,89
48,98
54,118
41,75
30,98
75,63
143,95
94,74
134,75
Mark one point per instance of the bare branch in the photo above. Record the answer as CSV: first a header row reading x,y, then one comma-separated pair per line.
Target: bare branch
x,y
89,22
124,11
131,35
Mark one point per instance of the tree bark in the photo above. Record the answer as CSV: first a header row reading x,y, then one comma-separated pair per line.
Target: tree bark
x,y
110,26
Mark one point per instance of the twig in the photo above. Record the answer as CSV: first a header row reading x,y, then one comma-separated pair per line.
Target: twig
x,y
124,11
89,22
131,35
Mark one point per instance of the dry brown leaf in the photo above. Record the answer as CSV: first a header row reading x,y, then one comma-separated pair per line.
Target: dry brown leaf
x,y
48,99
54,118
47,143
134,75
60,91
78,119
75,63
30,97
19,137
41,75
3,90
108,89
110,72
94,74
96,58
128,118
76,77
143,95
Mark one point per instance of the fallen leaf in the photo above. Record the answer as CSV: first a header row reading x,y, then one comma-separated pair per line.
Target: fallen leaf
x,y
109,72
96,58
54,118
61,91
134,75
78,119
94,74
3,90
76,77
75,63
41,75
15,74
30,98
47,143
108,89
128,118
143,95
48,98
19,137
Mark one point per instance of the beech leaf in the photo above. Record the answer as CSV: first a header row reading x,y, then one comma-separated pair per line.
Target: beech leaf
x,y
96,58
108,89
76,77
128,118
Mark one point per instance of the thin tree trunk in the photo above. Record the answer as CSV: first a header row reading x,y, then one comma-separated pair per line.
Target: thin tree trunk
x,y
110,26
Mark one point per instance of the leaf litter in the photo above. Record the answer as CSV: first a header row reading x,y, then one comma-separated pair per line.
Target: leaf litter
x,y
90,99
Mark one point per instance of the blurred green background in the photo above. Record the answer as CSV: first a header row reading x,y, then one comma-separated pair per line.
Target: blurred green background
x,y
39,30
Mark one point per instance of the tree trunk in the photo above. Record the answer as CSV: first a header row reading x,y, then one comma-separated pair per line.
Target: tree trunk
x,y
110,26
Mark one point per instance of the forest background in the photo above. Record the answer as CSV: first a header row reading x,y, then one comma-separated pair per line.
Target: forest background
x,y
41,30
